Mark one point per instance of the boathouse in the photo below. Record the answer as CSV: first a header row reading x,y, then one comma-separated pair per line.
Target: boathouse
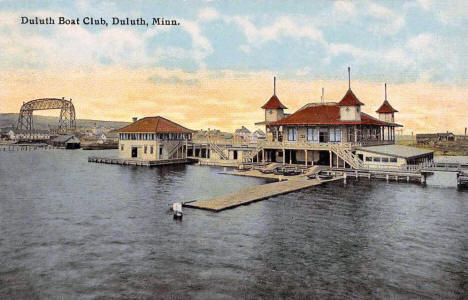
x,y
153,138
68,141
323,133
393,156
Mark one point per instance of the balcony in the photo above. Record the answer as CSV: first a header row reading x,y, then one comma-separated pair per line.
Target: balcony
x,y
309,145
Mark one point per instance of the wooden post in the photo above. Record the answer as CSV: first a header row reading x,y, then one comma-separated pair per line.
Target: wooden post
x,y
263,155
305,155
344,177
284,156
331,161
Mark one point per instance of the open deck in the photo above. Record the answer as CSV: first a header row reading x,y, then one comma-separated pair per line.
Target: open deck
x,y
136,162
256,193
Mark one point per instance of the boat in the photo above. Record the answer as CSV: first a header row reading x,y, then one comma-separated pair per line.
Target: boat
x,y
325,176
177,209
312,176
291,172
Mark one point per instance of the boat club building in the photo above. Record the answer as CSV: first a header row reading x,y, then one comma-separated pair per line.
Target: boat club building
x,y
324,133
154,138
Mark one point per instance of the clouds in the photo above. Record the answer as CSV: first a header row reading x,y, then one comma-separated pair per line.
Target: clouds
x,y
225,55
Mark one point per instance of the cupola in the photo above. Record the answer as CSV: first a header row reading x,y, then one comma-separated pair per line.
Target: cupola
x,y
350,106
386,111
274,109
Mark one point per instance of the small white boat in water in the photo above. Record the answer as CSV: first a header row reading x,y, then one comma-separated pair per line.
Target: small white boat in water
x,y
177,209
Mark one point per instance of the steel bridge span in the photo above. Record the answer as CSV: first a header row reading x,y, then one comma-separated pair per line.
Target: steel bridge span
x,y
67,119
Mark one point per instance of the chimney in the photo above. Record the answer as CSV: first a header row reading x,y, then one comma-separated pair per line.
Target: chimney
x,y
134,119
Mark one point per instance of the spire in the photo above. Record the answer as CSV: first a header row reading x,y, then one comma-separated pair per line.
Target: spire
x,y
349,78
386,108
274,85
385,91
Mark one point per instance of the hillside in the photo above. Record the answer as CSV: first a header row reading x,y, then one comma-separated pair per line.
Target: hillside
x,y
43,122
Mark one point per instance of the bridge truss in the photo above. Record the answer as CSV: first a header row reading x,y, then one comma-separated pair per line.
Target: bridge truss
x,y
67,120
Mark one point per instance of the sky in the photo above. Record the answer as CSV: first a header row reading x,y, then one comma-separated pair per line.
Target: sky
x,y
215,69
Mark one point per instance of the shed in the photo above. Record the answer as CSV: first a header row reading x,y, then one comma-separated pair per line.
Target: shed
x,y
67,142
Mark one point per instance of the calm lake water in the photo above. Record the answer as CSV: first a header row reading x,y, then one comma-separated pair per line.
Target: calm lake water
x,y
72,229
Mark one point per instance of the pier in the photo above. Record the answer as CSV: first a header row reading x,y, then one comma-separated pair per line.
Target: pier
x,y
256,193
25,147
137,162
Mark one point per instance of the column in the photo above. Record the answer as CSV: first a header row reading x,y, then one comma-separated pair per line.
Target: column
x,y
305,155
290,156
284,156
263,155
331,161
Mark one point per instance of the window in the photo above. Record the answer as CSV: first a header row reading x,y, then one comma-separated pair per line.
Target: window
x,y
337,135
377,159
160,150
122,147
393,159
292,134
368,158
144,149
151,149
331,133
385,159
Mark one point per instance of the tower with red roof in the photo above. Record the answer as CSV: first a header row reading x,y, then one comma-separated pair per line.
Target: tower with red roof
x,y
386,111
350,106
274,109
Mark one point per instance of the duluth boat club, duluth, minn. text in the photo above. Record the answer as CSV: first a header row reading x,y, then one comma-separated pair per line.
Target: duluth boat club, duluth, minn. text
x,y
115,21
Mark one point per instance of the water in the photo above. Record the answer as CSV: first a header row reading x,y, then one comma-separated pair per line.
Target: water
x,y
72,229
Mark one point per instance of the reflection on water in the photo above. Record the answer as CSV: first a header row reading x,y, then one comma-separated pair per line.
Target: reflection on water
x,y
72,229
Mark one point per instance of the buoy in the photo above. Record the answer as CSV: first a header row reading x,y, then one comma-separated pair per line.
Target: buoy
x,y
177,209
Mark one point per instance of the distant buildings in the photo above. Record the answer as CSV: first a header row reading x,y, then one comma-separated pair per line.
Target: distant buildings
x,y
154,138
29,135
243,133
426,138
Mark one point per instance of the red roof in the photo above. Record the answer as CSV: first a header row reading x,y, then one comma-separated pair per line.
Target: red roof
x,y
155,125
273,103
350,99
386,108
326,115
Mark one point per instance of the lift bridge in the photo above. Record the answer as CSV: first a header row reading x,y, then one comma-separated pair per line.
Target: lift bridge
x,y
67,119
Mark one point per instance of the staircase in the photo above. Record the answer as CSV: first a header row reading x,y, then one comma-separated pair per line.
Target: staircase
x,y
214,147
345,153
249,157
171,153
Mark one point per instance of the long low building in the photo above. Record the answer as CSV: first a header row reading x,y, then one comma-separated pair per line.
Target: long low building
x,y
393,156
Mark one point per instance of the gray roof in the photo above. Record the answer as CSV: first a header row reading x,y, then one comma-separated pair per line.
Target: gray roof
x,y
397,151
63,138
242,130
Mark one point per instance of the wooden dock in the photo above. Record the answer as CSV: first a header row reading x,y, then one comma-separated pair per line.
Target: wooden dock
x,y
25,147
255,193
137,162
